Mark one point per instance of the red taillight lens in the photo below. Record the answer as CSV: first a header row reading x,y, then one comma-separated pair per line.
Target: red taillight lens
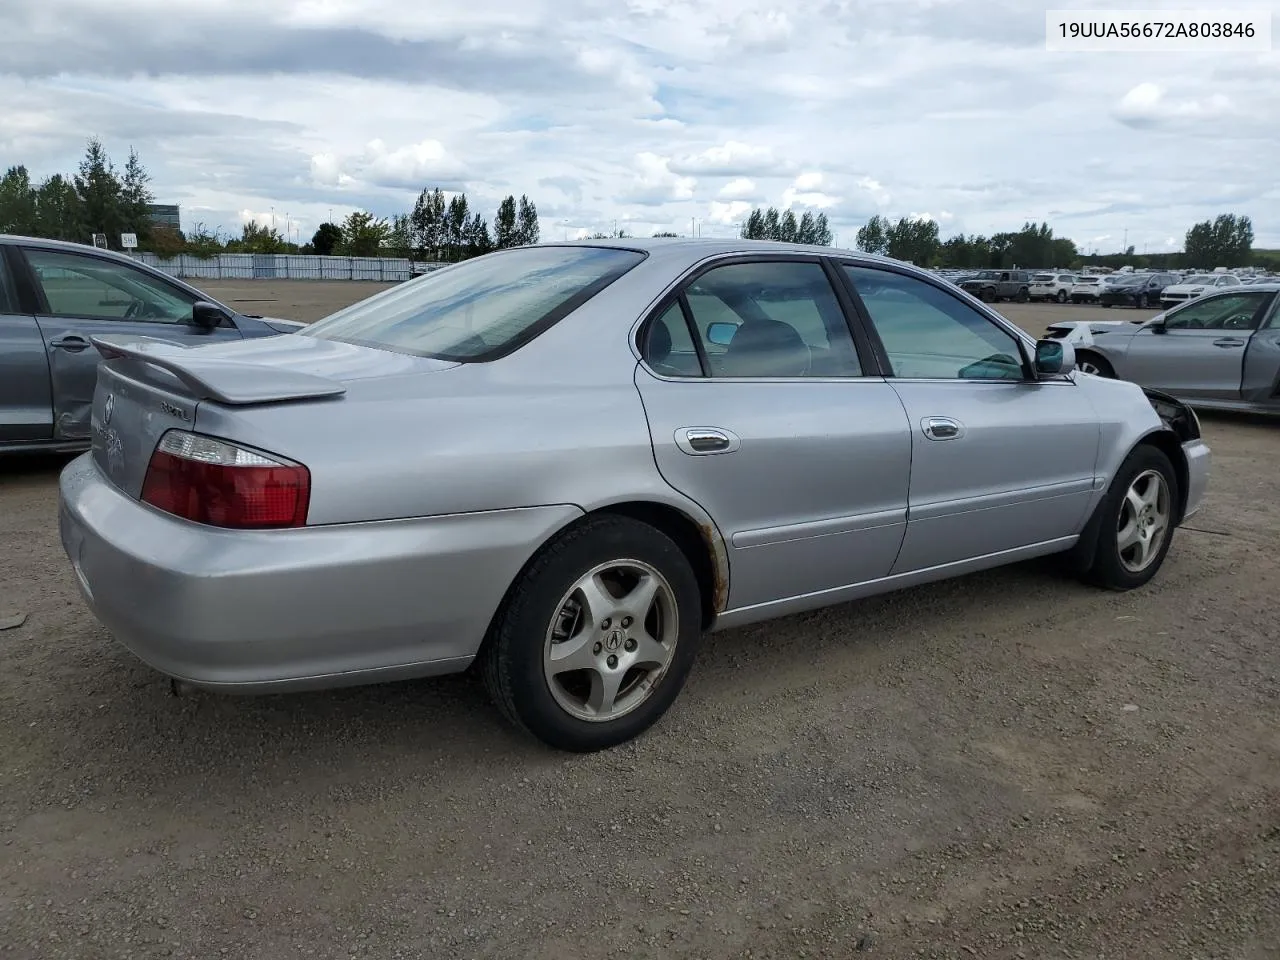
x,y
218,483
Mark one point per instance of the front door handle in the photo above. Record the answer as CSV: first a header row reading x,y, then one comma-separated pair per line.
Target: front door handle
x,y
1229,342
942,428
70,342
701,441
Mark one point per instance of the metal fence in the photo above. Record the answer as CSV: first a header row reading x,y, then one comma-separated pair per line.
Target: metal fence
x,y
286,266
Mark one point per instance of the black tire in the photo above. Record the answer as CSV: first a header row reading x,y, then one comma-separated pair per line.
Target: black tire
x,y
1106,306
1102,365
987,295
1062,296
1023,295
512,658
1107,569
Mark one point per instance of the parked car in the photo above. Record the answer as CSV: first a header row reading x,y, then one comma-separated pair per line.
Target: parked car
x,y
1086,289
1135,290
413,484
55,297
1220,351
993,285
1051,286
1194,286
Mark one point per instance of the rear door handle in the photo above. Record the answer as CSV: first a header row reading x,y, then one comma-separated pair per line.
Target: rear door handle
x,y
1229,342
942,428
701,441
71,342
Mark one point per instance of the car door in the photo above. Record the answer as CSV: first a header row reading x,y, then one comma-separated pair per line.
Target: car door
x,y
1000,461
1261,380
26,410
81,295
760,411
1199,349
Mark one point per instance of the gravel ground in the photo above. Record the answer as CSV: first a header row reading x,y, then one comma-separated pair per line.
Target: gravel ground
x,y
1007,765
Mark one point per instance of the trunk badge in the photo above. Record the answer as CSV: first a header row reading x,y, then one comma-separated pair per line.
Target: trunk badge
x,y
108,408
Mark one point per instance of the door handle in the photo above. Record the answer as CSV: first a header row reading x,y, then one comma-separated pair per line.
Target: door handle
x,y
942,428
1229,342
71,342
700,441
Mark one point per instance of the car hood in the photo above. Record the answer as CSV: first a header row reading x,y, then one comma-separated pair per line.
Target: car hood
x,y
1083,331
1186,287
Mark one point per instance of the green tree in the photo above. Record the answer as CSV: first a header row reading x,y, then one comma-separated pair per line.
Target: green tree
x,y
204,243
455,227
914,239
666,233
1225,241
326,239
873,237
753,226
165,241
427,222
258,238
504,224
18,207
58,212
527,229
399,241
99,189
363,234
477,239
135,197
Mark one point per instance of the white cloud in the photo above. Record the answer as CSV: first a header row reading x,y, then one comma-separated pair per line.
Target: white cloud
x,y
739,188
649,112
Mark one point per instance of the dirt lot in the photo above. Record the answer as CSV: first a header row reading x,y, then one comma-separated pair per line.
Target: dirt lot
x,y
1010,765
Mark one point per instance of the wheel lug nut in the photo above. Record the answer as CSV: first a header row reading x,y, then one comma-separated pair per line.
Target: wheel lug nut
x,y
626,622
631,645
596,648
613,661
608,622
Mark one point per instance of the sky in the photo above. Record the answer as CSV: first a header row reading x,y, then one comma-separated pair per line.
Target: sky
x,y
676,115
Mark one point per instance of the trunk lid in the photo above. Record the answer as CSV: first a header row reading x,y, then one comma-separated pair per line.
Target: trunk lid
x,y
147,386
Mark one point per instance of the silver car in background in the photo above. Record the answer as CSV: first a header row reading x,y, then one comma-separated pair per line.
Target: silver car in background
x,y
1220,351
564,463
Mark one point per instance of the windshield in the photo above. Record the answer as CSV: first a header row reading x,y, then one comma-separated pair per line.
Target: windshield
x,y
482,308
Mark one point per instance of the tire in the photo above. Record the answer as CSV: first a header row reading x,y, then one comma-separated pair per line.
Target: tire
x,y
1090,362
1076,301
1146,471
1062,296
517,661
1106,306
1023,295
988,295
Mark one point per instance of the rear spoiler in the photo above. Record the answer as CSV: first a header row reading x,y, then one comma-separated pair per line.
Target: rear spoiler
x,y
214,378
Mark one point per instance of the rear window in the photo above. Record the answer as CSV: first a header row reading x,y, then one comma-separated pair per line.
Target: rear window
x,y
482,308
1042,278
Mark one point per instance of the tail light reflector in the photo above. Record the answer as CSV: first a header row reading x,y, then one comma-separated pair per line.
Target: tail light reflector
x,y
221,484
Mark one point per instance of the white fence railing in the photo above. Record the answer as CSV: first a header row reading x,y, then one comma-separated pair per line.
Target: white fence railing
x,y
287,266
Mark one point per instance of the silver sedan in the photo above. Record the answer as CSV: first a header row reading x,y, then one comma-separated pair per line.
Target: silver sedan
x,y
1220,351
565,463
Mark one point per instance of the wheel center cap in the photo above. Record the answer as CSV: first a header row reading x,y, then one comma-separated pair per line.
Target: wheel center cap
x,y
613,640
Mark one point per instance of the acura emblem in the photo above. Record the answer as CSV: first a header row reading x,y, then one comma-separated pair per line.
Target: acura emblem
x,y
108,408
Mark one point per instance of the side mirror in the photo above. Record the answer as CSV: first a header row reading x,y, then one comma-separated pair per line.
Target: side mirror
x,y
205,315
1054,358
1156,325
721,333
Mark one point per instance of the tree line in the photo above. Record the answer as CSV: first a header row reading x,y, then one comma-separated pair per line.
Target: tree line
x,y
1224,241
101,199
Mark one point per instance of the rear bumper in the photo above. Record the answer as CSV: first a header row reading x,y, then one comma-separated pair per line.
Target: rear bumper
x,y
265,611
1199,459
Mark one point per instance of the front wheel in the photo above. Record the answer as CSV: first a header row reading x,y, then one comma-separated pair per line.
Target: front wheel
x,y
1137,520
1087,362
1062,296
597,636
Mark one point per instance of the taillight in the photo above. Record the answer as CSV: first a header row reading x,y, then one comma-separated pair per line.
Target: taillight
x,y
224,485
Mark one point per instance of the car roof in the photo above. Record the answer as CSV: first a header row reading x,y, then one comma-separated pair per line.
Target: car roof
x,y
673,251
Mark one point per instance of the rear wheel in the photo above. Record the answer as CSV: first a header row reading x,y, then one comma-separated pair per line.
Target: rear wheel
x,y
1062,296
1136,521
1089,362
597,636
1023,295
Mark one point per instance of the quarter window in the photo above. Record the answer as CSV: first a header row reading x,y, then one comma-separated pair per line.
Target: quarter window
x,y
929,334
90,287
1236,311
668,345
771,319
